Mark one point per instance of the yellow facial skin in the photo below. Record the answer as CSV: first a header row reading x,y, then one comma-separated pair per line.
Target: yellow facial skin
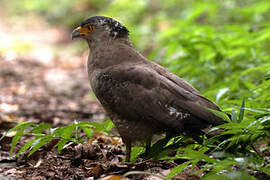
x,y
82,31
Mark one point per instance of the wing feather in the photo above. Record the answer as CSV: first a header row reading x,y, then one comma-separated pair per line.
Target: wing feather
x,y
141,93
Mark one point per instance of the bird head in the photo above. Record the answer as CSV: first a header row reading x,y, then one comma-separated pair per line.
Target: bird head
x,y
100,28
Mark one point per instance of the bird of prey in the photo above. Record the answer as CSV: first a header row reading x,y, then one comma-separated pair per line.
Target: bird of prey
x,y
141,97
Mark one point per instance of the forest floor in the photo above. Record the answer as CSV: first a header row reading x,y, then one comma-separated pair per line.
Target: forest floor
x,y
43,79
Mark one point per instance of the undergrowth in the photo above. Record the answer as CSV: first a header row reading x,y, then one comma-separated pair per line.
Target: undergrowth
x,y
240,146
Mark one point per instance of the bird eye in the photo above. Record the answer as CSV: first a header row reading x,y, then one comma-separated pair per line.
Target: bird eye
x,y
89,27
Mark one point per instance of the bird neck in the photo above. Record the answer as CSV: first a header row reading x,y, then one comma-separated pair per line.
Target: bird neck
x,y
95,44
110,53
125,41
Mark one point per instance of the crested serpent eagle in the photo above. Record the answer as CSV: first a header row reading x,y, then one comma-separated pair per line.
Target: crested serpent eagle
x,y
141,97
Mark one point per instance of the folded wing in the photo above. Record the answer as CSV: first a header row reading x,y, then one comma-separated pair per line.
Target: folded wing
x,y
146,92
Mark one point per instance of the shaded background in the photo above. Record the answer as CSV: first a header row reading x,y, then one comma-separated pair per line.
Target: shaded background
x,y
220,47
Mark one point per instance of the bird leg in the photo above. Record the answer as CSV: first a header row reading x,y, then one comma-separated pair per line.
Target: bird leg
x,y
148,146
128,150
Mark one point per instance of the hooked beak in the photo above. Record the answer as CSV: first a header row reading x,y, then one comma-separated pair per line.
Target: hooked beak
x,y
76,33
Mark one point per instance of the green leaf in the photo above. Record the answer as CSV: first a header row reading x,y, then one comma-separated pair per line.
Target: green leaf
x,y
220,93
108,124
234,116
177,169
266,169
67,131
135,152
220,114
40,142
259,110
20,132
242,111
87,131
26,146
236,175
38,129
57,132
94,125
222,165
61,143
157,148
21,125
197,155
239,175
64,133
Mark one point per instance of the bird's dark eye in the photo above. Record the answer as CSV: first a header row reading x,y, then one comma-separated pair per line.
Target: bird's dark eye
x,y
90,28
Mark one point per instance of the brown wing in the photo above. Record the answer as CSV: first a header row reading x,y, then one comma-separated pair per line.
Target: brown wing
x,y
182,83
141,93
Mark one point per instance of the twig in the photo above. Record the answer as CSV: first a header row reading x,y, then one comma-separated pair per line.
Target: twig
x,y
143,172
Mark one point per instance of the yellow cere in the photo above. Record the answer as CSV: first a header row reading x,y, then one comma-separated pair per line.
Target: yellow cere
x,y
85,29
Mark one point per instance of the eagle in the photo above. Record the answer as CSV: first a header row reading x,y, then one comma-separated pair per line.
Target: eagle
x,y
141,97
